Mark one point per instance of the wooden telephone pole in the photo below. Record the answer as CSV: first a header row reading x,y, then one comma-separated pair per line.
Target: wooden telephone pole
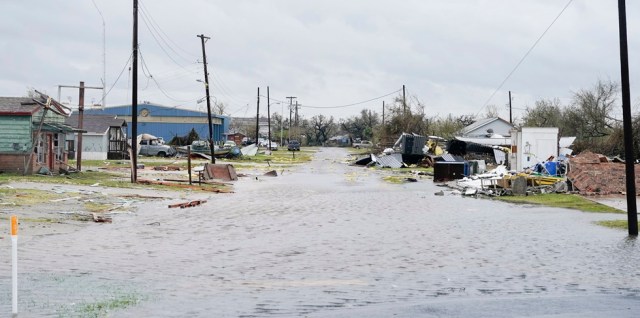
x,y
632,212
206,87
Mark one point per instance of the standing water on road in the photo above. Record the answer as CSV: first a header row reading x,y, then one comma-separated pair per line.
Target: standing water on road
x,y
327,239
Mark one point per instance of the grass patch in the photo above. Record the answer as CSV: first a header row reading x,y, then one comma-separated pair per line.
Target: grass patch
x,y
569,201
97,207
101,308
26,197
616,224
395,179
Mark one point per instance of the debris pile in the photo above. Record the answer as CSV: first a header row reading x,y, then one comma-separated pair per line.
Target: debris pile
x,y
591,173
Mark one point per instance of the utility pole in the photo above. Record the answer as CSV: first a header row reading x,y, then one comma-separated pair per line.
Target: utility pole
x,y
404,109
291,98
382,113
297,127
384,129
81,88
510,117
80,120
258,119
269,117
404,102
134,98
206,87
632,212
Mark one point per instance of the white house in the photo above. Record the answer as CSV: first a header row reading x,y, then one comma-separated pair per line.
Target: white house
x,y
104,137
486,127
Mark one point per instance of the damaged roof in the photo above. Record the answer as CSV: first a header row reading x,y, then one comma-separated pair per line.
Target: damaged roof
x,y
18,106
393,160
27,106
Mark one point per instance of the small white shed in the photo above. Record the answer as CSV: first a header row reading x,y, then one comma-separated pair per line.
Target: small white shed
x,y
532,145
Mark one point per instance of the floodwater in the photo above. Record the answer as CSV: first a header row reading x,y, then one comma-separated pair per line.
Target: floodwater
x,y
331,240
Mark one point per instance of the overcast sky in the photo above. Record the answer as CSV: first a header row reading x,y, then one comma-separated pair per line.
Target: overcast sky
x,y
451,55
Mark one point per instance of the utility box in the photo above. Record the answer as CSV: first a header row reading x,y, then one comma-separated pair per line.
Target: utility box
x,y
447,171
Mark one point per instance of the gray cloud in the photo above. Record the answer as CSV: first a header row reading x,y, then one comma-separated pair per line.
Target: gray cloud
x,y
452,55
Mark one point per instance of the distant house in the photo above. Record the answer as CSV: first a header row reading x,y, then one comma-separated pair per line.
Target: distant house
x,y
339,141
104,137
247,125
32,134
486,127
236,137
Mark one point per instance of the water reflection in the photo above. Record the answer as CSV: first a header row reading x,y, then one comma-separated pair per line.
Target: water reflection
x,y
323,239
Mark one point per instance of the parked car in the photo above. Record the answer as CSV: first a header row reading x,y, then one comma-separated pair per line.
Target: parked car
x,y
229,144
153,147
362,144
293,145
274,145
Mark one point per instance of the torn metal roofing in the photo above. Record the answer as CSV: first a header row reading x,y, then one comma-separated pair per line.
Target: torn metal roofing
x,y
389,161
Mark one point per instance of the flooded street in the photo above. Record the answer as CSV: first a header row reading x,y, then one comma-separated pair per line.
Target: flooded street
x,y
330,240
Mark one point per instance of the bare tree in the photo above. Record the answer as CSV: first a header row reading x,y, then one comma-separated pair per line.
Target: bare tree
x,y
590,113
219,108
492,112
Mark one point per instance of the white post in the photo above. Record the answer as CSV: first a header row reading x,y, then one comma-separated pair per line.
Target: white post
x,y
14,257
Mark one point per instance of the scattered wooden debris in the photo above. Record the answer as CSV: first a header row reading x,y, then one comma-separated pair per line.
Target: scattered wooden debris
x,y
271,173
187,204
167,168
141,196
101,218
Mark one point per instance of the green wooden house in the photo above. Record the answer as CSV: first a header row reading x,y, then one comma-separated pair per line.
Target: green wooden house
x,y
32,134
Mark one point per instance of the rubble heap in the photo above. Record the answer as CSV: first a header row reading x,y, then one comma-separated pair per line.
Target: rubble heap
x,y
591,173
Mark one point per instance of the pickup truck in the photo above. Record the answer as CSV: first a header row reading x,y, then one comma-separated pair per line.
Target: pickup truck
x,y
362,144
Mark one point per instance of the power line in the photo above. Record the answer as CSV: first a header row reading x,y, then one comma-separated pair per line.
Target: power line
x,y
144,65
161,32
117,79
146,23
524,57
353,104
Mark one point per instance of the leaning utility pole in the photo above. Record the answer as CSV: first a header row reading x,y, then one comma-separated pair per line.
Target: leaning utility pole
x,y
206,87
134,98
258,119
632,213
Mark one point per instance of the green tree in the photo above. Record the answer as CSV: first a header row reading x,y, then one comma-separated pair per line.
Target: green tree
x,y
545,113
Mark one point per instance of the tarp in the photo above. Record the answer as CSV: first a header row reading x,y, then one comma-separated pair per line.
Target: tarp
x,y
146,137
250,150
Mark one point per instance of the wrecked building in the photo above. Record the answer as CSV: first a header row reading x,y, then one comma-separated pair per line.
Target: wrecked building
x,y
590,173
32,134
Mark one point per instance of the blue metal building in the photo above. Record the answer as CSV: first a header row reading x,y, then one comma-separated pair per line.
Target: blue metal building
x,y
168,122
